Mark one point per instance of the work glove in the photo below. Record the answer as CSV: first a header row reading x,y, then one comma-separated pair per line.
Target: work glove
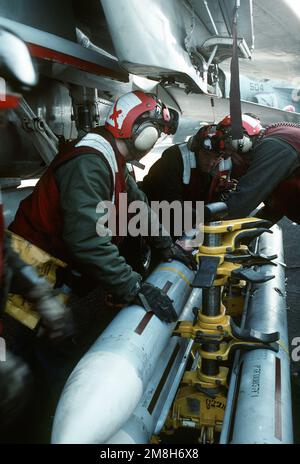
x,y
15,387
176,252
56,318
154,299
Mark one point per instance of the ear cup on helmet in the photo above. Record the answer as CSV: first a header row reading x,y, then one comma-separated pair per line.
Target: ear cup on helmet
x,y
145,137
243,145
191,143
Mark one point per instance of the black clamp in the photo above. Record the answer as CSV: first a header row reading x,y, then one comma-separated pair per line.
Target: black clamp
x,y
251,259
249,275
206,272
252,335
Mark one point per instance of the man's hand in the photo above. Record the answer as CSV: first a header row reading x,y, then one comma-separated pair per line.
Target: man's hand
x,y
154,299
56,318
176,252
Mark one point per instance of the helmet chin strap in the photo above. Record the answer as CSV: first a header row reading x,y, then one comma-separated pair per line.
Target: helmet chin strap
x,y
138,164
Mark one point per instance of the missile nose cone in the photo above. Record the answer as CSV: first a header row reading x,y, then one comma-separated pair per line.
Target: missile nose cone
x,y
94,404
106,386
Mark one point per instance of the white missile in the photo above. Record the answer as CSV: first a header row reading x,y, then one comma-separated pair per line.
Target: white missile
x,y
259,404
149,417
107,384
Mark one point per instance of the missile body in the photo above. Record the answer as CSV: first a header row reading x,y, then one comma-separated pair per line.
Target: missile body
x,y
107,384
150,415
259,401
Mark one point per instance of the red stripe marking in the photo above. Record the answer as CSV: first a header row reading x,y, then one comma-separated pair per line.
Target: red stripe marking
x,y
235,402
9,101
278,412
144,322
146,319
167,287
46,53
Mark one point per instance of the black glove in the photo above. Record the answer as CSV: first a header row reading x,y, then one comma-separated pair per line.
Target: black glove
x,y
56,318
154,299
15,388
176,252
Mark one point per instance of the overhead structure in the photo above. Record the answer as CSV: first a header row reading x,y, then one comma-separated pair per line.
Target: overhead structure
x,y
181,41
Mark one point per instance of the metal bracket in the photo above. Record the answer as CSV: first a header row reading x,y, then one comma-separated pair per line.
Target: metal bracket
x,y
206,272
249,275
223,330
44,139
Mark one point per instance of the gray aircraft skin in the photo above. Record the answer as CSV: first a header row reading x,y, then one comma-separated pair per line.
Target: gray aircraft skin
x,y
89,53
180,51
272,93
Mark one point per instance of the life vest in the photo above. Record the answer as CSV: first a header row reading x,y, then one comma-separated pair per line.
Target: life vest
x,y
285,198
288,132
195,183
39,218
221,180
189,162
